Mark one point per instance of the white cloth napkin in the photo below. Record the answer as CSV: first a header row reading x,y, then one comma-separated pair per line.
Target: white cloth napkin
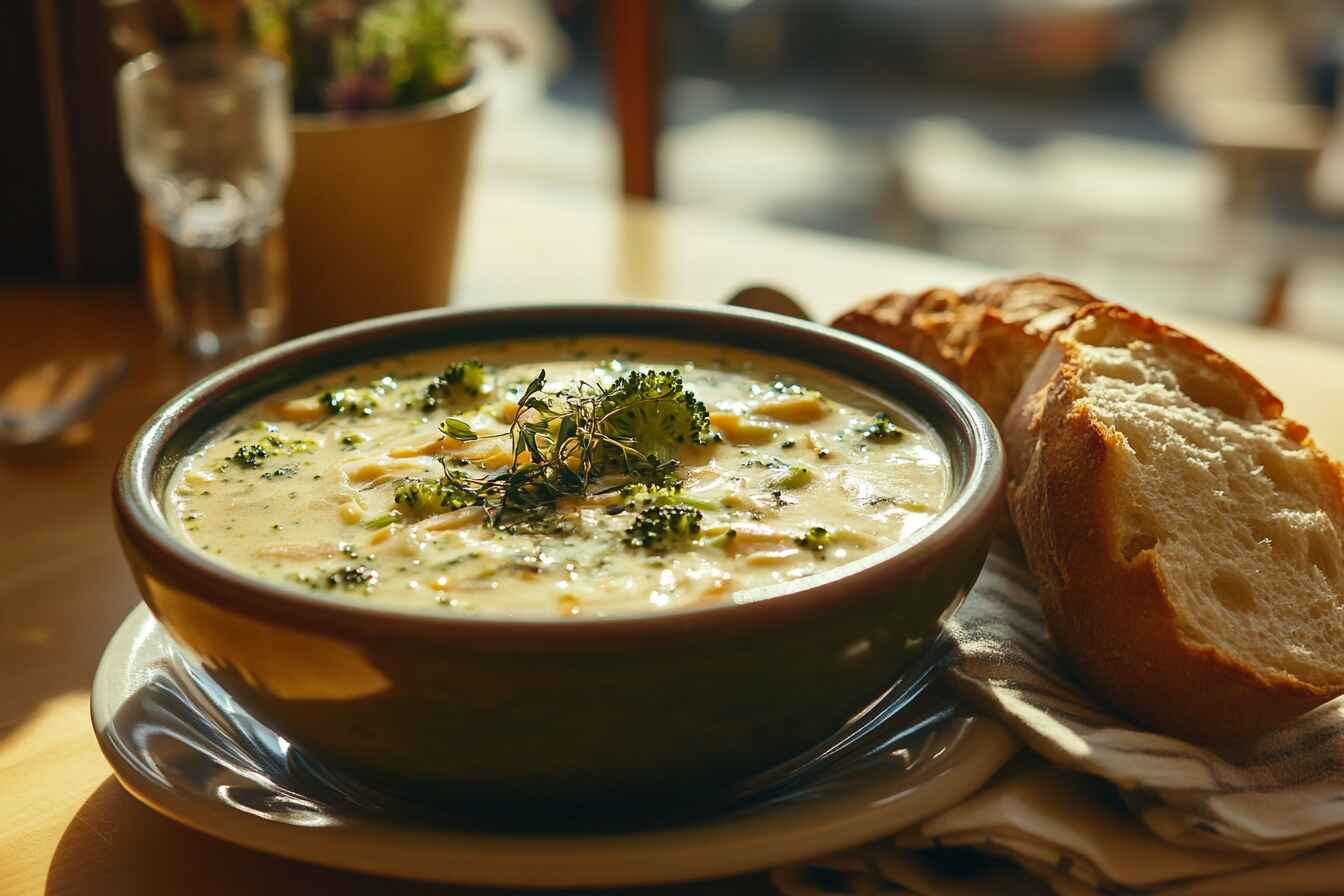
x,y
1103,805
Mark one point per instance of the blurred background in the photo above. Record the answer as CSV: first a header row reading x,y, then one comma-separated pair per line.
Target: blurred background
x,y
1187,155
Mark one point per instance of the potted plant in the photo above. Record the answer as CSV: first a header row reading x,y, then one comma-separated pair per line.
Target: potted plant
x,y
385,114
385,109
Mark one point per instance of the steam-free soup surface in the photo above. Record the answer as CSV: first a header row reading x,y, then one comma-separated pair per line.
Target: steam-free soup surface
x,y
412,481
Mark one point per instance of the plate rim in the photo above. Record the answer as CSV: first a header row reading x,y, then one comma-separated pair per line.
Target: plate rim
x,y
722,846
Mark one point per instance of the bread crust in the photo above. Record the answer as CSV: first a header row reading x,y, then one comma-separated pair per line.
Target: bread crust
x,y
985,340
1105,603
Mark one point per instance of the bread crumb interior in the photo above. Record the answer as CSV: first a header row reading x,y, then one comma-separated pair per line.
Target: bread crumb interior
x,y
1247,527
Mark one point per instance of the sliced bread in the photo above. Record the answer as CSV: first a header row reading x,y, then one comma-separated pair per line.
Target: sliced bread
x,y
985,340
1188,538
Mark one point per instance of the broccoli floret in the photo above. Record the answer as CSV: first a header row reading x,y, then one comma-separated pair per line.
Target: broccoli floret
x,y
356,402
641,495
638,495
816,538
470,375
653,413
271,445
349,577
466,376
883,429
659,527
251,455
432,495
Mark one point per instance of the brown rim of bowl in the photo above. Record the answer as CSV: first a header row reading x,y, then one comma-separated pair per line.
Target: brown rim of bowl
x,y
965,429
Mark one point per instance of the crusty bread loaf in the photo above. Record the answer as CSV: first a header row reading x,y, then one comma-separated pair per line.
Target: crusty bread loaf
x,y
985,341
1188,539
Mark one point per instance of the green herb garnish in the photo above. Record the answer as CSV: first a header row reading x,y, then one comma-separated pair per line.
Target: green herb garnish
x,y
796,477
458,429
562,441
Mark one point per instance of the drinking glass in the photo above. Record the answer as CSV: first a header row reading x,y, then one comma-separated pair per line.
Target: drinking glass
x,y
205,137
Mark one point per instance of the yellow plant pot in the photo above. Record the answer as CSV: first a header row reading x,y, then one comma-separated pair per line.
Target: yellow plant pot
x,y
373,207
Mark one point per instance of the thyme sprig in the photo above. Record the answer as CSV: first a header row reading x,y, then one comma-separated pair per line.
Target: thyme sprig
x,y
563,442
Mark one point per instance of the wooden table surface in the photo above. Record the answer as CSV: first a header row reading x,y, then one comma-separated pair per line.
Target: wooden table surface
x,y
66,826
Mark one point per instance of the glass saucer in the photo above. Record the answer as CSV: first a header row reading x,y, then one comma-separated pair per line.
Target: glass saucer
x,y
183,747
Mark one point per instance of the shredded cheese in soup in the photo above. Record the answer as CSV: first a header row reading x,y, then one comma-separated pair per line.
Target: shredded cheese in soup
x,y
581,477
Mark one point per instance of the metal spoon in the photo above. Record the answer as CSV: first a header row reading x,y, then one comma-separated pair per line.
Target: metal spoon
x,y
766,298
42,402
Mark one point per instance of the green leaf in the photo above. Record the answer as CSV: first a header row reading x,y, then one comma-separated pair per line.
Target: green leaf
x,y
568,430
529,439
458,429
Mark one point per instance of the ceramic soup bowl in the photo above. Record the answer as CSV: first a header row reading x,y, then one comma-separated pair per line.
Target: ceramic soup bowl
x,y
618,709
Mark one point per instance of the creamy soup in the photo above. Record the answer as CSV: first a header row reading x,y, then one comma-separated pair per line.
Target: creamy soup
x,y
560,478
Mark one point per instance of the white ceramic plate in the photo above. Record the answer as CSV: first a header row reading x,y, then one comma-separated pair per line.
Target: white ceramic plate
x,y
181,746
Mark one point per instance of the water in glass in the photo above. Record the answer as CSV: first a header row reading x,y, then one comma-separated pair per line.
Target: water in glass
x,y
205,135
